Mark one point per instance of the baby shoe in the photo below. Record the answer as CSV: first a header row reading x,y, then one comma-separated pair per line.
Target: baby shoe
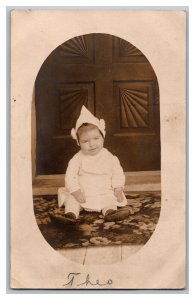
x,y
68,218
116,215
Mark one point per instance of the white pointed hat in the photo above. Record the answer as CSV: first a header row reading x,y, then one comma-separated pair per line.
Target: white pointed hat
x,y
87,117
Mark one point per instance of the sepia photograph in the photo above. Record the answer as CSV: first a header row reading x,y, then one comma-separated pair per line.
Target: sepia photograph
x,y
96,159
98,134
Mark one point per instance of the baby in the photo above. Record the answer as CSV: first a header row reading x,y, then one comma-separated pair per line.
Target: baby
x,y
94,179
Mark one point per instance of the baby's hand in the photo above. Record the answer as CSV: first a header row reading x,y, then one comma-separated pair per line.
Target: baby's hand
x,y
118,192
79,196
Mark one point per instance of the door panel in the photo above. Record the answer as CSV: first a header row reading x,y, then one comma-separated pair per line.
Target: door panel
x,y
72,96
134,106
125,52
79,50
116,82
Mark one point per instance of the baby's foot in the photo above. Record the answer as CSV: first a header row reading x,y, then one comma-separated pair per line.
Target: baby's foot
x,y
116,215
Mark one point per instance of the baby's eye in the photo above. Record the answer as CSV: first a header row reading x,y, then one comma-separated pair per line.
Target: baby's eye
x,y
97,138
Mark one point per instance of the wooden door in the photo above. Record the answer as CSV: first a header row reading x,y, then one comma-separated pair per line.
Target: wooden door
x,y
116,82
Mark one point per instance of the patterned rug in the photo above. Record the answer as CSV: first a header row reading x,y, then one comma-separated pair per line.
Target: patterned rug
x,y
92,230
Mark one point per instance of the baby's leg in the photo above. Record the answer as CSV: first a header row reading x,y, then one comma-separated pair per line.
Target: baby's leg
x,y
72,206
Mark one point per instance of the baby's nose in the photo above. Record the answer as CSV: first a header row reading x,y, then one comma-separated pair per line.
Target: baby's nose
x,y
91,143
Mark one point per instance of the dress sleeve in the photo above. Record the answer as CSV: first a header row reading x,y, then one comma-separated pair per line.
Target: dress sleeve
x,y
118,176
71,176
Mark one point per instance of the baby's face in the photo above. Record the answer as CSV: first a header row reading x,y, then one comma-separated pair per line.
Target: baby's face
x,y
91,141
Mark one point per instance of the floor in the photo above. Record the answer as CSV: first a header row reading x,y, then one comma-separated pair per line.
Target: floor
x,y
136,181
100,255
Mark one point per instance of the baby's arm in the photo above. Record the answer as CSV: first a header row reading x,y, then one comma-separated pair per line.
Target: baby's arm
x,y
71,179
118,180
118,192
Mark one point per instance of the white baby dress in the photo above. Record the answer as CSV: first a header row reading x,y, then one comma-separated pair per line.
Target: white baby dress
x,y
96,176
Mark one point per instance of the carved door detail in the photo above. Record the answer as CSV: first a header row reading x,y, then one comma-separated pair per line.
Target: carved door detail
x,y
116,82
